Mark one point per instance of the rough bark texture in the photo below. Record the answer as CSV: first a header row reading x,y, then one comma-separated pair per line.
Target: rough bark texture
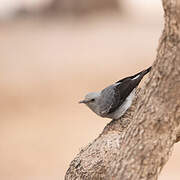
x,y
139,144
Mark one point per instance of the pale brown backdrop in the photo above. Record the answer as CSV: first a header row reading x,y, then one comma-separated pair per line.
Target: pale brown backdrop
x,y
47,65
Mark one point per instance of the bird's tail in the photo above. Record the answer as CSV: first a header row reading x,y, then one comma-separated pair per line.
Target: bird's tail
x,y
147,70
142,73
139,75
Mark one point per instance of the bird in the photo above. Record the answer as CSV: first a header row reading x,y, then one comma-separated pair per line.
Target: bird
x,y
113,101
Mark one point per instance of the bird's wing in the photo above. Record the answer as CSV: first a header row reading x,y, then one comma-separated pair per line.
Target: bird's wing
x,y
113,96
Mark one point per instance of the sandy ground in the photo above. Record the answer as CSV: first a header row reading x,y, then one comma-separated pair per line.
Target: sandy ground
x,y
46,67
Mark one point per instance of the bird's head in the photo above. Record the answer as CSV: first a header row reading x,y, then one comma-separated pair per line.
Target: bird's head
x,y
91,100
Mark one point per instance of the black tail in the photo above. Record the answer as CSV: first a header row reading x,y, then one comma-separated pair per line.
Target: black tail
x,y
142,73
147,70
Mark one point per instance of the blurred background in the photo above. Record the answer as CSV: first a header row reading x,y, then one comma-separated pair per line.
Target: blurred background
x,y
53,52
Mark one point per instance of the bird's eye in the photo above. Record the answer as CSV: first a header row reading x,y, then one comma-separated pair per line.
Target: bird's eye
x,y
92,100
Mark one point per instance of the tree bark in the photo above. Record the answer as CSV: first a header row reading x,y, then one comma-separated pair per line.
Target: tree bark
x,y
139,144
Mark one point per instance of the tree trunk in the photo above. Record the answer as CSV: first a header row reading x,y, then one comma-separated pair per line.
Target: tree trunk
x,y
139,144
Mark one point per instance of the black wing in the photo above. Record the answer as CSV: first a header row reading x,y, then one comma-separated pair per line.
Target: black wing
x,y
113,96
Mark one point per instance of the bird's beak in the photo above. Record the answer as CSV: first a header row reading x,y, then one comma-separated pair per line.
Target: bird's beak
x,y
83,101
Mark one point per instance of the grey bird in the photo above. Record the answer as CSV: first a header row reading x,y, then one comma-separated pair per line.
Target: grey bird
x,y
113,101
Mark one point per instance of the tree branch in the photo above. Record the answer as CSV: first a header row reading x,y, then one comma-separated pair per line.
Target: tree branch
x,y
139,144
